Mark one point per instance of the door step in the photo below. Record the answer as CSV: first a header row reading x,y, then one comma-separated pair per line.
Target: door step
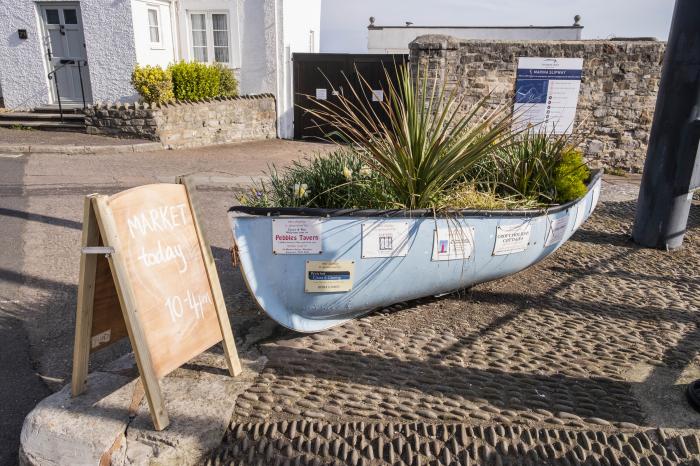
x,y
45,118
43,125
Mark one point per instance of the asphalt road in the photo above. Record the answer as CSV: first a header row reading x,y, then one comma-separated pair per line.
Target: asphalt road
x,y
41,198
20,386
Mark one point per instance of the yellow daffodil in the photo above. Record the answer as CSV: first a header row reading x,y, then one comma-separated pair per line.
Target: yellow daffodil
x,y
347,173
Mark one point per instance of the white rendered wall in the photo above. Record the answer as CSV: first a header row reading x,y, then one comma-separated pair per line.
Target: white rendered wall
x,y
301,34
396,39
109,39
147,53
23,79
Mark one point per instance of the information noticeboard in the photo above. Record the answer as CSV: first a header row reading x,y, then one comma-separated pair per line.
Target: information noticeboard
x,y
546,93
147,272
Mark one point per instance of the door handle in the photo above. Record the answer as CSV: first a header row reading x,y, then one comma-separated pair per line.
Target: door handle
x,y
62,29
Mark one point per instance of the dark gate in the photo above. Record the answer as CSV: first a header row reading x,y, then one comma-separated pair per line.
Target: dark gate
x,y
323,76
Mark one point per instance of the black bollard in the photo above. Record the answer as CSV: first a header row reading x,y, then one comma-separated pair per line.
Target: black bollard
x,y
672,166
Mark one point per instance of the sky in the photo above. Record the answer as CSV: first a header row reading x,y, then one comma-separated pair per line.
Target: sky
x,y
344,22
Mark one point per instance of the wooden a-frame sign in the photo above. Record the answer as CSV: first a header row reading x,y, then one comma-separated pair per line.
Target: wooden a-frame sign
x,y
146,272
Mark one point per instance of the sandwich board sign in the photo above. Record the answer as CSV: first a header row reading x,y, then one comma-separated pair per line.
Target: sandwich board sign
x,y
146,272
546,93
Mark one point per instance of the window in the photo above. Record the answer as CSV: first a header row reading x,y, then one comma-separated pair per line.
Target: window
x,y
52,17
210,37
199,37
70,16
154,26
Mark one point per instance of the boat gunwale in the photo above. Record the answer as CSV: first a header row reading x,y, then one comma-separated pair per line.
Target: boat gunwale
x,y
596,174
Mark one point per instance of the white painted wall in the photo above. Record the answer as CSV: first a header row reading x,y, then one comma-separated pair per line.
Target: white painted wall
x,y
108,31
148,53
23,79
395,39
301,34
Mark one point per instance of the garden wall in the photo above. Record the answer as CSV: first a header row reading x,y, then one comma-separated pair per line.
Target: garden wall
x,y
188,124
618,91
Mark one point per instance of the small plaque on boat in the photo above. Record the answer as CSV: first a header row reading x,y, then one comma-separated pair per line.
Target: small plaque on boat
x,y
384,238
556,230
329,276
596,196
296,236
512,238
453,243
580,214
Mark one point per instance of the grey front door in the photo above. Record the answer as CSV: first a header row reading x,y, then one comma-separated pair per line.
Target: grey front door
x,y
64,47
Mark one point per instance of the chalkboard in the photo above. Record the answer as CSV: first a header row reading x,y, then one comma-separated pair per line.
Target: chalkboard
x,y
147,272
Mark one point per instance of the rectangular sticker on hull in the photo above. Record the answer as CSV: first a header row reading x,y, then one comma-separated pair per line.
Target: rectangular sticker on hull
x,y
556,230
296,236
329,276
512,238
453,243
384,239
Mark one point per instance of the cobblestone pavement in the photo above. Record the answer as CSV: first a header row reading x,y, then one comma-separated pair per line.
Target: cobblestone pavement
x,y
581,359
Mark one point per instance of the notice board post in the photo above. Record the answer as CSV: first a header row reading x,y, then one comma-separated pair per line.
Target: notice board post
x,y
146,272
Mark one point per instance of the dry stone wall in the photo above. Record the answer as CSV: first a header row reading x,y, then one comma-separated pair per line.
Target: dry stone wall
x,y
618,92
188,124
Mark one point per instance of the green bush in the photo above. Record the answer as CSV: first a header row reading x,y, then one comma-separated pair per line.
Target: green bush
x,y
337,180
228,84
570,176
153,83
194,81
532,168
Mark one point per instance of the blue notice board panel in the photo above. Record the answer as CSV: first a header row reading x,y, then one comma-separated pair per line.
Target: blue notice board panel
x,y
546,93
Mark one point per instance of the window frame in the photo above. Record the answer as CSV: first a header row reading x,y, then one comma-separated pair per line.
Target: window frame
x,y
153,7
209,29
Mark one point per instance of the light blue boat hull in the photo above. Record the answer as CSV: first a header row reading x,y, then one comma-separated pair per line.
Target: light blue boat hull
x,y
277,281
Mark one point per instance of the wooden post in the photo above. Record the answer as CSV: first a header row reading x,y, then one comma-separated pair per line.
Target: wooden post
x,y
228,341
86,297
108,231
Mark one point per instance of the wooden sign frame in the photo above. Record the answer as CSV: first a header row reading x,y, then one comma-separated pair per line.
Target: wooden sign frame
x,y
100,237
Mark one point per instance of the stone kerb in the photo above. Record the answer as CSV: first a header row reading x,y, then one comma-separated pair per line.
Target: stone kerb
x,y
187,123
618,92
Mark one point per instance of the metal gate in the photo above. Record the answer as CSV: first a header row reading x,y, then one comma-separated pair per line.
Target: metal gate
x,y
323,76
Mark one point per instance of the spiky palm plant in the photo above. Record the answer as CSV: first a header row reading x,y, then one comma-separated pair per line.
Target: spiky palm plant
x,y
426,143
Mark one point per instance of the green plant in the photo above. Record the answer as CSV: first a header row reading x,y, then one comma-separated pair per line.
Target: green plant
x,y
194,81
337,180
570,176
529,167
427,143
153,83
228,84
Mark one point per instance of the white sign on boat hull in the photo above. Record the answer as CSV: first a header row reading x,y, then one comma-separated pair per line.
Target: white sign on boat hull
x,y
453,243
384,238
296,236
556,230
512,238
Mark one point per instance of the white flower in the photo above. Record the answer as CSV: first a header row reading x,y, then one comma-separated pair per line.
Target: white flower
x,y
365,171
301,190
347,173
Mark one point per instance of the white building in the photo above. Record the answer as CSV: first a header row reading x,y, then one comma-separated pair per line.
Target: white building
x,y
101,41
395,39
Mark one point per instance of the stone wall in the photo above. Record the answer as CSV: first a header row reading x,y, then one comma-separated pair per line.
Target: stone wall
x,y
188,124
618,91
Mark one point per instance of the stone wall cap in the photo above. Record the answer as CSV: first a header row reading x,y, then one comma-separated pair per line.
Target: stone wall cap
x,y
434,42
446,42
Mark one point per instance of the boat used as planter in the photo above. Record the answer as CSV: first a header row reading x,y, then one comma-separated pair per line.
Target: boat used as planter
x,y
312,269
